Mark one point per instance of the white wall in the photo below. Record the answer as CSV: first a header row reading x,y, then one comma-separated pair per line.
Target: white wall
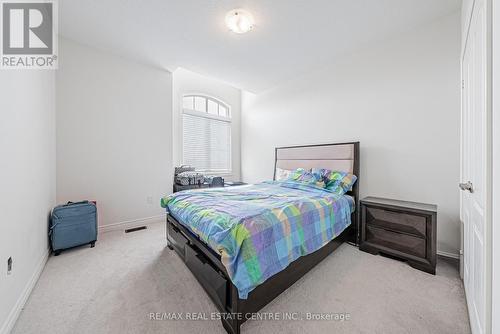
x,y
399,98
114,133
187,82
27,183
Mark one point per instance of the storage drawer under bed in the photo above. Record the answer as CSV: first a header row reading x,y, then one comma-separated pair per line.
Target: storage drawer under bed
x,y
177,240
214,283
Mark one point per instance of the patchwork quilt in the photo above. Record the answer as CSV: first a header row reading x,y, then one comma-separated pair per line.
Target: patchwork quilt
x,y
260,229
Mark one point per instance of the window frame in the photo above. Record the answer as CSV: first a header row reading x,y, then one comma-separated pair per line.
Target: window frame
x,y
208,98
206,114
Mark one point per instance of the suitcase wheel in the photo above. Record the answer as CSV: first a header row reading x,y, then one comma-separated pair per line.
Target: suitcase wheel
x,y
57,253
92,244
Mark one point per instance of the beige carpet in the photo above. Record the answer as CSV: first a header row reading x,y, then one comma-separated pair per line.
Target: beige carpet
x,y
114,287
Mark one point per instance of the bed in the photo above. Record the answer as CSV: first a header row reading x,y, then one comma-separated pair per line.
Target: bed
x,y
224,234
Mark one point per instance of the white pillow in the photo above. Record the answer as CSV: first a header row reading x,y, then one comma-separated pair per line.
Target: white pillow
x,y
282,174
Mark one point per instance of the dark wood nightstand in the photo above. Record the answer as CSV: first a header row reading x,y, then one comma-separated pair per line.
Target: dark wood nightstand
x,y
406,230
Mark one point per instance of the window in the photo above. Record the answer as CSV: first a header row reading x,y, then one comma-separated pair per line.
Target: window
x,y
206,134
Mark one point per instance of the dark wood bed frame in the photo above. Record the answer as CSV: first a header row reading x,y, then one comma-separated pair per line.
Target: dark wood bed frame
x,y
208,269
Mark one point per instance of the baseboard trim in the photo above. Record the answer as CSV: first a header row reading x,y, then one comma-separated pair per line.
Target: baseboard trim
x,y
450,255
131,223
23,298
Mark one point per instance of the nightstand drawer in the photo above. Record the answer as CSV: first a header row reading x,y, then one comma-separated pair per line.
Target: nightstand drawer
x,y
396,221
397,241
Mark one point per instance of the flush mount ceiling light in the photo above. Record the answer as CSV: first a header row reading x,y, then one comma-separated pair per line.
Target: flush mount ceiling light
x,y
239,21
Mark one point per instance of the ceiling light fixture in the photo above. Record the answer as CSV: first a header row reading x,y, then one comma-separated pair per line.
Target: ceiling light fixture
x,y
239,21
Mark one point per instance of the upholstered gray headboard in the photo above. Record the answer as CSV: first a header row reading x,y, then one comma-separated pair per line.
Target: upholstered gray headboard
x,y
341,157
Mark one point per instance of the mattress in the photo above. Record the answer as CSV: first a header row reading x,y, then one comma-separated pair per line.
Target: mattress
x,y
260,229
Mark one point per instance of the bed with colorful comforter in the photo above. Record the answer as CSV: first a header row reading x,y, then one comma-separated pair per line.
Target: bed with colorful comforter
x,y
260,229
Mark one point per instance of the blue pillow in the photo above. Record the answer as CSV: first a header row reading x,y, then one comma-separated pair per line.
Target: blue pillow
x,y
303,176
335,181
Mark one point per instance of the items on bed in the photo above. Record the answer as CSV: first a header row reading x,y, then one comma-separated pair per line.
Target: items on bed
x,y
282,174
335,181
214,181
303,176
182,169
186,177
189,178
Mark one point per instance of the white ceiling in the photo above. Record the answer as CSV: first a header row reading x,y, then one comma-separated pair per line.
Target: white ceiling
x,y
290,37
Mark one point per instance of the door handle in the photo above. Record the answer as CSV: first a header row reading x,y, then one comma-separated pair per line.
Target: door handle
x,y
466,186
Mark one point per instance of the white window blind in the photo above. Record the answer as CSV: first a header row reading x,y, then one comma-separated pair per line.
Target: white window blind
x,y
206,136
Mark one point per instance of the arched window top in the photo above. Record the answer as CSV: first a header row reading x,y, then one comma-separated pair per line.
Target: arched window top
x,y
206,104
206,134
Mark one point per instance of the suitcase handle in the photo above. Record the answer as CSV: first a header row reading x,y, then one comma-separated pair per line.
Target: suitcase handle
x,y
72,203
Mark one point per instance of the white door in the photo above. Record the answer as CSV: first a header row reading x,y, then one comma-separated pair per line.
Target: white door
x,y
473,186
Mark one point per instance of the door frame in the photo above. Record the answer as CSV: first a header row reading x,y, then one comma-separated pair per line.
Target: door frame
x,y
490,302
495,306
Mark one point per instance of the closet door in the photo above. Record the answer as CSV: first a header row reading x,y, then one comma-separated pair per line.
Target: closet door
x,y
474,189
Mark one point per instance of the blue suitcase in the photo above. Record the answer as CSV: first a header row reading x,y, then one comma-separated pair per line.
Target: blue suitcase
x,y
72,225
